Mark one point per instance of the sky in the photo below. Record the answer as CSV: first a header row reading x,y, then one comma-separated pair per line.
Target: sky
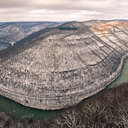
x,y
62,10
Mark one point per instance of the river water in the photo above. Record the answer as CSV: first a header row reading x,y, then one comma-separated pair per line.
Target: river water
x,y
123,78
20,111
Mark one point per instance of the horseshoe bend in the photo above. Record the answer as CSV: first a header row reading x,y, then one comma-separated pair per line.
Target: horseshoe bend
x,y
58,67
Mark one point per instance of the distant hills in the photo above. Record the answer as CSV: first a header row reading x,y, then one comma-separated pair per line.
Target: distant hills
x,y
11,32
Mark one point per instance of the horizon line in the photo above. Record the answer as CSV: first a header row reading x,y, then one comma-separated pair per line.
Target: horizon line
x,y
65,20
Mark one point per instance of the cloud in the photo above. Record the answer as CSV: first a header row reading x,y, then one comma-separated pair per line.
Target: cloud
x,y
56,4
62,10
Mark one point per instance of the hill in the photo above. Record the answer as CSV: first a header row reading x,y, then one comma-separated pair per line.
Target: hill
x,y
59,67
11,32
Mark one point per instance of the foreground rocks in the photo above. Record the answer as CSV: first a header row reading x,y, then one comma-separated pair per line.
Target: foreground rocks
x,y
59,67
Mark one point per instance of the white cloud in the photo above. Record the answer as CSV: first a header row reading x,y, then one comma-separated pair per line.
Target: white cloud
x,y
62,10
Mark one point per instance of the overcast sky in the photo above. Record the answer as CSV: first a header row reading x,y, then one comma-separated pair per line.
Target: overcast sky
x,y
62,10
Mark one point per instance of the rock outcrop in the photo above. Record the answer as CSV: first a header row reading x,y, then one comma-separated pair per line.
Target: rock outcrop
x,y
59,67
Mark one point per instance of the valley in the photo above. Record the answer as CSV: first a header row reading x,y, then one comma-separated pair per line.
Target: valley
x,y
58,67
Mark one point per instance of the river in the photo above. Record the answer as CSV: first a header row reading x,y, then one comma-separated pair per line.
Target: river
x,y
123,78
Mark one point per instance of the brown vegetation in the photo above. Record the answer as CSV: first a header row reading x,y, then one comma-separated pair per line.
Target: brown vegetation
x,y
105,110
102,27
